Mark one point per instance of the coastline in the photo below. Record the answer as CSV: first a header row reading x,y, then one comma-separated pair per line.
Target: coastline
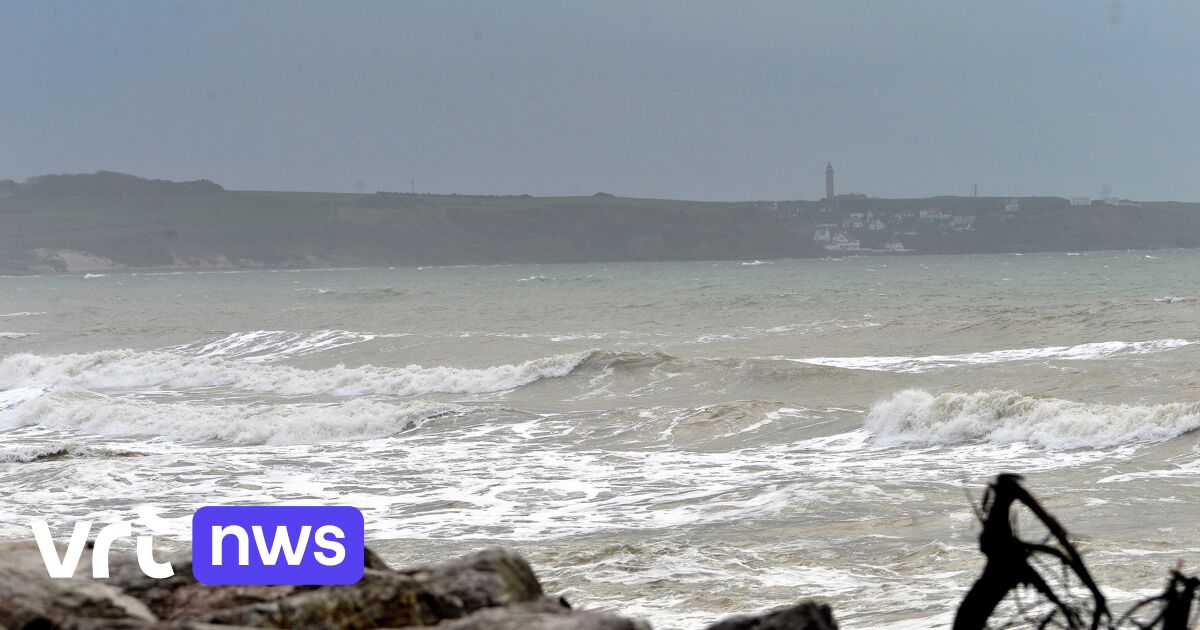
x,y
109,222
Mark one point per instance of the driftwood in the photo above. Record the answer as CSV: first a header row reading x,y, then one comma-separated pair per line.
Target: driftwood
x,y
1014,564
1174,605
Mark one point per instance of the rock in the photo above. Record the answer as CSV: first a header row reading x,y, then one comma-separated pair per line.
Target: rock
x,y
30,599
802,616
545,614
494,589
181,596
420,597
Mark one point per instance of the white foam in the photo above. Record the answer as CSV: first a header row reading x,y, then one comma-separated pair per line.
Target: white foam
x,y
129,369
1081,352
246,424
1006,417
13,397
24,453
22,314
268,345
14,335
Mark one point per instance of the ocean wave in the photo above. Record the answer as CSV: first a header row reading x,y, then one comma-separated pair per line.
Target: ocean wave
x,y
269,345
129,369
14,335
13,397
380,294
1174,299
1081,352
26,453
755,368
242,424
22,314
917,417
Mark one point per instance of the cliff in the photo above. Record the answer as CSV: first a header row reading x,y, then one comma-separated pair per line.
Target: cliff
x,y
111,221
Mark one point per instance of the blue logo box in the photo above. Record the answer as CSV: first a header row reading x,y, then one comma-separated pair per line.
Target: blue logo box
x,y
252,544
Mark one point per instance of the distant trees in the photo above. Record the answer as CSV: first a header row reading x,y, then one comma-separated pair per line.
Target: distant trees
x,y
106,182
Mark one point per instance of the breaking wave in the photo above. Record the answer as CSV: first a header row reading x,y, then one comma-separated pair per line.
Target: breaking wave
x,y
242,424
26,453
129,369
917,417
1082,352
269,345
14,335
13,397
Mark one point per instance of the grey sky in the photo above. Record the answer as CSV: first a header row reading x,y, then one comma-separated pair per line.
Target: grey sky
x,y
693,100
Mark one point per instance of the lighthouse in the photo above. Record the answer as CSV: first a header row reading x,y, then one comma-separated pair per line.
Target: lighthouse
x,y
829,181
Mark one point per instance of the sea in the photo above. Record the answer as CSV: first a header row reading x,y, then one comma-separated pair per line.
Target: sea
x,y
673,441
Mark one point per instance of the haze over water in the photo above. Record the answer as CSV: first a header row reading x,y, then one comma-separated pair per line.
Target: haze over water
x,y
674,441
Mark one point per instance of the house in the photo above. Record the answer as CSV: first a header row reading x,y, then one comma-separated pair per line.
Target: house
x,y
1012,205
894,246
932,214
1081,201
876,225
841,242
823,234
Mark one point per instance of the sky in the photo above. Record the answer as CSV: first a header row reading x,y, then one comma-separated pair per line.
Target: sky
x,y
693,100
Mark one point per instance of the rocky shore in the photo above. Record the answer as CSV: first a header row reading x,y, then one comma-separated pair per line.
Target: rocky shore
x,y
490,589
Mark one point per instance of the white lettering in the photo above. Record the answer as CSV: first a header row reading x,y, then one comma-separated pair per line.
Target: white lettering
x,y
64,568
104,540
282,541
146,562
338,549
243,540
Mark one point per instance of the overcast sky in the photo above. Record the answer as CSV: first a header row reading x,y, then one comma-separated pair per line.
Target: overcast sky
x,y
699,100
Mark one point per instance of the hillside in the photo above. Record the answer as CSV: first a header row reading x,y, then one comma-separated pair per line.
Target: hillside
x,y
108,220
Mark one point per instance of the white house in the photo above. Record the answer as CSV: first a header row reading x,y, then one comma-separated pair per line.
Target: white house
x,y
841,242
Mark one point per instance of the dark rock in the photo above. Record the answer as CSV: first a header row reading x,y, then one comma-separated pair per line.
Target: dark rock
x,y
492,589
547,614
802,616
30,599
181,596
420,597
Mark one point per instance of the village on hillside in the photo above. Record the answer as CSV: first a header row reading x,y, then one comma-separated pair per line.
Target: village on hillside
x,y
857,224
